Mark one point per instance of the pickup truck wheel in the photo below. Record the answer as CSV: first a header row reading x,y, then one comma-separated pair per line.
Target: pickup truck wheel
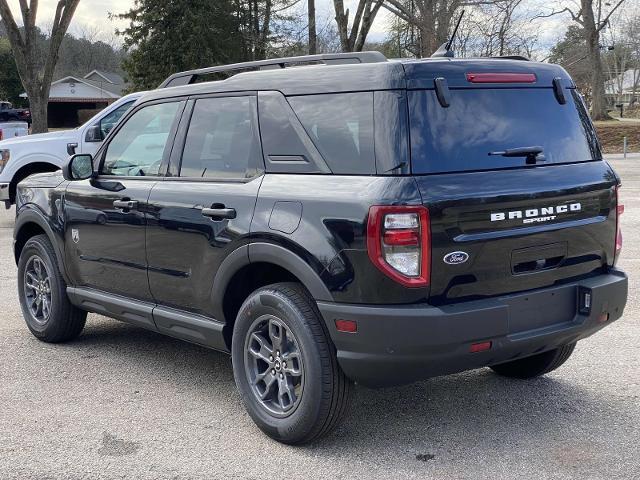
x,y
535,365
43,294
285,365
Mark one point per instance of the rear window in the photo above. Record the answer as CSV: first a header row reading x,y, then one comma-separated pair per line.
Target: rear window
x,y
341,127
479,121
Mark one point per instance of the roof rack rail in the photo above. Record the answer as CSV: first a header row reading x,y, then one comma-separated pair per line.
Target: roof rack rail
x,y
190,76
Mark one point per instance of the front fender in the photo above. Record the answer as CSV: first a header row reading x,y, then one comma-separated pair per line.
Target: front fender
x,y
16,164
30,214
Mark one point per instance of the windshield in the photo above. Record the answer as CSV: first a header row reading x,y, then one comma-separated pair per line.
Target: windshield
x,y
481,121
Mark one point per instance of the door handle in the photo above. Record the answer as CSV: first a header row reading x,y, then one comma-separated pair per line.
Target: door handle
x,y
219,213
125,204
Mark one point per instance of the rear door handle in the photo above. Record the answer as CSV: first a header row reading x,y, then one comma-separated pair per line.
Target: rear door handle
x,y
125,204
219,213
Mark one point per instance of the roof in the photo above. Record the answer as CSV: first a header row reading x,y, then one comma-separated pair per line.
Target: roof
x,y
103,92
112,82
110,77
378,75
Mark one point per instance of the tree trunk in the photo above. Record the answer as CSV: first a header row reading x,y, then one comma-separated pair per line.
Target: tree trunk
x,y
39,107
592,37
313,36
342,20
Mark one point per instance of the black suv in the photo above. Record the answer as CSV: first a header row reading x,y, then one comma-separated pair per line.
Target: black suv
x,y
351,219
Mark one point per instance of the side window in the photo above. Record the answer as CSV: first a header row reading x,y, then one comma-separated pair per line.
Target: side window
x,y
110,120
222,139
138,148
341,126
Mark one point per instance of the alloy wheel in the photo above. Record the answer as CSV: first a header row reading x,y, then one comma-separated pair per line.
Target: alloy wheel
x,y
273,365
37,289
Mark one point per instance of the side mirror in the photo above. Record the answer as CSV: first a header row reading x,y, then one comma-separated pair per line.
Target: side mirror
x,y
94,134
79,167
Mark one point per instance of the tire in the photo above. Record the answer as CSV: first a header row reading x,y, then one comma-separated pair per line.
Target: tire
x,y
536,365
308,397
61,321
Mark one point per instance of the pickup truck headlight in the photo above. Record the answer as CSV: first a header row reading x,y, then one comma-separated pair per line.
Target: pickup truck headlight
x,y
4,159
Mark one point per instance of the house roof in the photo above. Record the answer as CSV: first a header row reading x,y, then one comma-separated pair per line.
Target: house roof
x,y
110,77
101,91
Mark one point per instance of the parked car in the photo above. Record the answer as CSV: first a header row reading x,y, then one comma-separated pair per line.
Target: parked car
x,y
13,129
10,114
47,152
352,220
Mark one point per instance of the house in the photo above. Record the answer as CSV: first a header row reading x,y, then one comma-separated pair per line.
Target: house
x,y
75,99
624,89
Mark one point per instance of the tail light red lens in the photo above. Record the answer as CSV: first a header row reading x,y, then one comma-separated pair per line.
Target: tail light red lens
x,y
399,243
619,212
501,77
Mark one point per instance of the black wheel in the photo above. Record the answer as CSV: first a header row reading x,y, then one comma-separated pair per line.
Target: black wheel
x,y
535,365
43,294
285,365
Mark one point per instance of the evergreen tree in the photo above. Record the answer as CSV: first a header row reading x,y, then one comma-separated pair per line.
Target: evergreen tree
x,y
167,36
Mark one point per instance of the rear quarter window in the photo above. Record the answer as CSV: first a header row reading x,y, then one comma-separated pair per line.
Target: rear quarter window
x,y
341,127
483,120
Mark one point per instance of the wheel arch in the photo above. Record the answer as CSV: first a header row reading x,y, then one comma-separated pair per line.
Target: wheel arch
x,y
31,168
29,224
256,265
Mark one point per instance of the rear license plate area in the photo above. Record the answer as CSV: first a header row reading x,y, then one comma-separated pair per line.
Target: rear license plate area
x,y
542,309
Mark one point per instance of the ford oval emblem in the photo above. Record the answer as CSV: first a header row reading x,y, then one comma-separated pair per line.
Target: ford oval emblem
x,y
456,258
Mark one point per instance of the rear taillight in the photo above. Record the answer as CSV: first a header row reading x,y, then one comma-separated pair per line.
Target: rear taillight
x,y
501,77
1,134
619,212
399,243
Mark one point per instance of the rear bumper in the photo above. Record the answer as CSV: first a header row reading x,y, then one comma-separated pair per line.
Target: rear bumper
x,y
396,345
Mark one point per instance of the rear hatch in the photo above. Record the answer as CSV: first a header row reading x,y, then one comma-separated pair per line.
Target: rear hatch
x,y
508,163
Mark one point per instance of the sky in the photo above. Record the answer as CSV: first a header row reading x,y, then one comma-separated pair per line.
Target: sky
x,y
94,14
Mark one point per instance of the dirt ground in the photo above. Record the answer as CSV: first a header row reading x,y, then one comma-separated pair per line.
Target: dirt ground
x,y
612,133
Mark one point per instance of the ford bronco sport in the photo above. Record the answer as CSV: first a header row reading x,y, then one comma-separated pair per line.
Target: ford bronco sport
x,y
349,220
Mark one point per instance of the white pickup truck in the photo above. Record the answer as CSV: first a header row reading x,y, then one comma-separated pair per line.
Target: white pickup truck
x,y
13,129
47,152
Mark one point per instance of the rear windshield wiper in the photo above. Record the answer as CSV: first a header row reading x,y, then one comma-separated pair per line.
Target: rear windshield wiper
x,y
533,154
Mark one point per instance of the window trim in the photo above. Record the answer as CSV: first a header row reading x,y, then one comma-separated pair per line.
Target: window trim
x,y
130,103
175,160
101,154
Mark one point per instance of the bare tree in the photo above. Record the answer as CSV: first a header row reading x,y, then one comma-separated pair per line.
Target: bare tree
x,y
352,40
313,36
432,18
502,28
35,71
592,19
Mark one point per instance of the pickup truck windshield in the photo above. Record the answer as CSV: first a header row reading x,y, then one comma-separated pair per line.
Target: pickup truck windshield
x,y
484,120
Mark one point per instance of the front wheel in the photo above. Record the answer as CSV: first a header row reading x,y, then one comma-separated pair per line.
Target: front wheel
x,y
285,365
535,365
43,294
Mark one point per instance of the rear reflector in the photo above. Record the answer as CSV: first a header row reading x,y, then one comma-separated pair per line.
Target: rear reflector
x,y
604,317
501,77
480,347
348,326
